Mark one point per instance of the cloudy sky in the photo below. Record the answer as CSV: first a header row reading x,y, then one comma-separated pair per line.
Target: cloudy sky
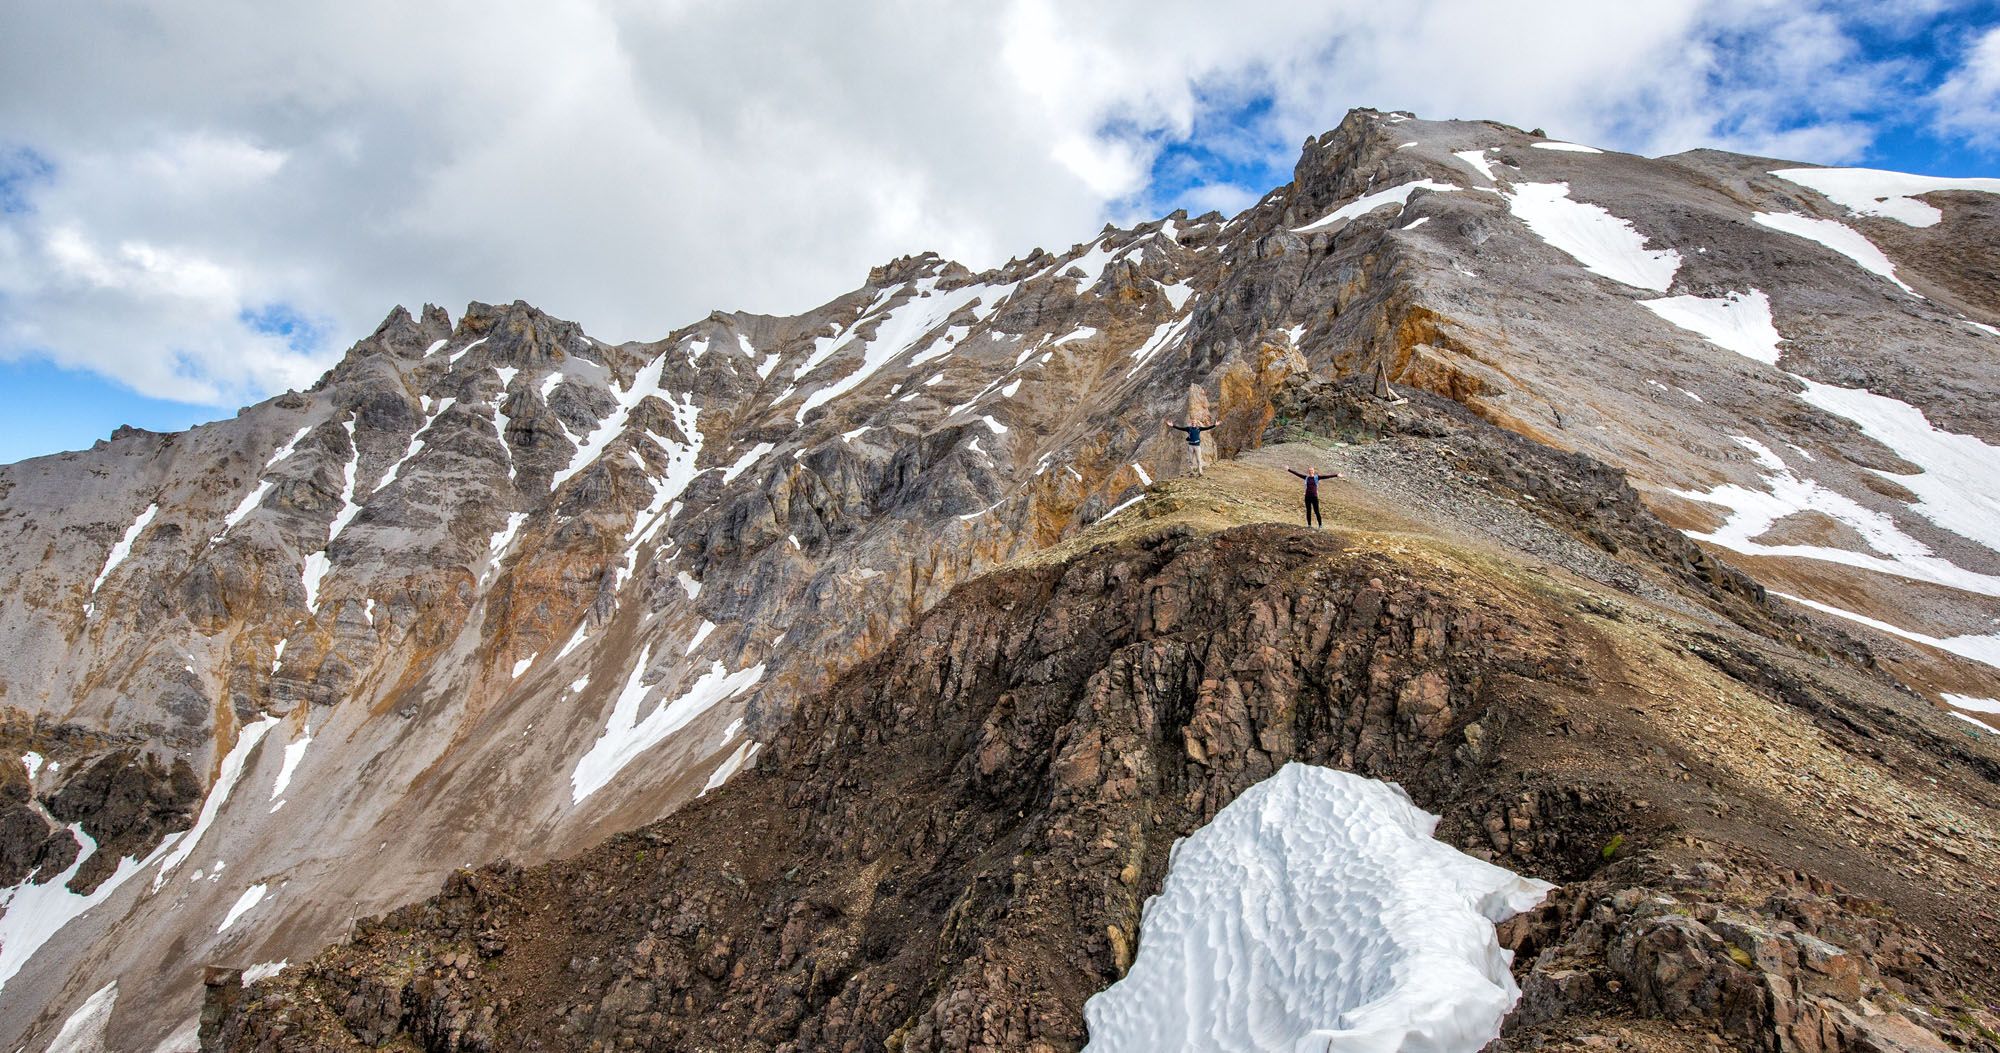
x,y
204,202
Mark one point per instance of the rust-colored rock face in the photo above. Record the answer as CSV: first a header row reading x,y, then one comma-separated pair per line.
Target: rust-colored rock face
x,y
493,589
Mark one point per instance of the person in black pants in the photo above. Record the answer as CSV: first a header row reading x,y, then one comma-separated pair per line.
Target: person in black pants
x,y
1312,494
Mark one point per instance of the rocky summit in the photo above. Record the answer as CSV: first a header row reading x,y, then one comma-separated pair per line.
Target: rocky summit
x,y
845,681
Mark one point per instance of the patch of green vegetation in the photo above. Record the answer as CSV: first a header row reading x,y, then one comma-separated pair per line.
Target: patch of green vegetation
x,y
1611,847
1970,1023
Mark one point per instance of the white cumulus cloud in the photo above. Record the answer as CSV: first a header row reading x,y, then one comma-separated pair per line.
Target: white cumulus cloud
x,y
1968,102
217,197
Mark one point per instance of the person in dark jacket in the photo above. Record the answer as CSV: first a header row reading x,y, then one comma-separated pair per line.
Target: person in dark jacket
x,y
1312,493
1194,441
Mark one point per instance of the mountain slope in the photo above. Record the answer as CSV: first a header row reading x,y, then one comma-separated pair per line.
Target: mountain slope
x,y
950,850
493,589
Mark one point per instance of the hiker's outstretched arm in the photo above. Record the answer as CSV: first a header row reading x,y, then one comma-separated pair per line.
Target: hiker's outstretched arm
x,y
1296,472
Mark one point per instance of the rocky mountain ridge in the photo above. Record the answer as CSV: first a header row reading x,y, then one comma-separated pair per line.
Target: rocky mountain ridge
x,y
493,589
950,851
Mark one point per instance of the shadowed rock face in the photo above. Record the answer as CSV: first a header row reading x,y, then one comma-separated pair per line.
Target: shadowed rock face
x,y
445,566
127,801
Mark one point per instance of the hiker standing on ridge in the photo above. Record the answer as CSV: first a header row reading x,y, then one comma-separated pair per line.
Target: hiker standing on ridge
x,y
1194,440
1312,493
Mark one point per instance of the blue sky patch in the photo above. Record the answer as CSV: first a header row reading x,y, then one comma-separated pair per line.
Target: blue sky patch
x,y
301,334
50,408
21,169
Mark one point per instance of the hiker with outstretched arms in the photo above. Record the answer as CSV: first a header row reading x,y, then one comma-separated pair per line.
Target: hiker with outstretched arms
x,y
1312,478
1194,440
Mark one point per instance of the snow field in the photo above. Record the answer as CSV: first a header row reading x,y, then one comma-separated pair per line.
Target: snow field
x,y
225,781
1982,649
84,1031
645,382
898,330
416,444
743,463
1753,512
31,913
1602,242
1366,203
295,752
1873,192
1977,705
1478,162
626,735
123,547
243,905
1837,236
256,495
730,765
1959,487
1316,912
1739,322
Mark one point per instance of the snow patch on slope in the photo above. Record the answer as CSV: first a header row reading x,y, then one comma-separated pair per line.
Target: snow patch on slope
x,y
897,332
225,781
83,1032
1478,161
1739,322
1982,649
1316,912
1873,192
124,546
1602,242
256,495
1977,705
249,899
1837,236
1366,203
1753,512
348,509
626,735
744,462
417,439
1163,335
295,752
31,913
645,382
730,765
1958,488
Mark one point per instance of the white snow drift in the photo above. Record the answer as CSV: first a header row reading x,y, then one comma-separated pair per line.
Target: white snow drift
x,y
1316,912
30,913
1752,512
1366,203
124,546
1739,322
1957,488
626,736
1602,242
1873,192
83,1032
1837,236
